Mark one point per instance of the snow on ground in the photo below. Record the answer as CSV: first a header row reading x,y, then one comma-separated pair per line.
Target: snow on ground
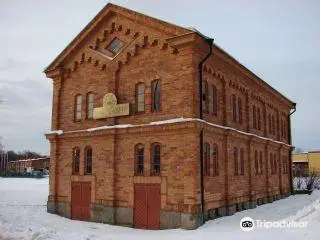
x,y
23,216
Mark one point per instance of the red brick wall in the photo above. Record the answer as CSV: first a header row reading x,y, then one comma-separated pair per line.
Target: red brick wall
x,y
175,63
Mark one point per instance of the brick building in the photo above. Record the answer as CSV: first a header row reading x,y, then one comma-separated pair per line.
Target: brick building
x,y
155,126
27,165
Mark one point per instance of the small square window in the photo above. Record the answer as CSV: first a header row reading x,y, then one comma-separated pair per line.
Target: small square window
x,y
115,45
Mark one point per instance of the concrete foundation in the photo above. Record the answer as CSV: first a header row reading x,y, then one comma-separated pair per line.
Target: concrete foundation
x,y
170,219
231,210
270,199
124,216
51,207
102,214
222,211
63,209
191,220
252,204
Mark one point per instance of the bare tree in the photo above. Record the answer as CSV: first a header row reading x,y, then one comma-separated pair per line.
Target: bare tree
x,y
1,146
312,180
299,182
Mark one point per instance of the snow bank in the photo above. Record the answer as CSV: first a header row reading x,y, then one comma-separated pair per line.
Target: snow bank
x,y
23,216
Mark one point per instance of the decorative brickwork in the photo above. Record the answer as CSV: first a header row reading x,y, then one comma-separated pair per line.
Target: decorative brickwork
x,y
165,59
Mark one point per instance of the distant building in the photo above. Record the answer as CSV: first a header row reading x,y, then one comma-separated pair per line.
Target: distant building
x,y
28,165
304,162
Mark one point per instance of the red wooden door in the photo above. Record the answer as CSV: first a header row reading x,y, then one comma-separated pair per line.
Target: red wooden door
x,y
85,200
76,201
147,206
80,200
140,206
154,206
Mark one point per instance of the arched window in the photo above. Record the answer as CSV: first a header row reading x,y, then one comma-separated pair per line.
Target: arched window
x,y
140,97
235,158
273,126
271,163
88,161
269,120
156,95
205,97
240,109
260,162
256,163
241,161
206,159
90,101
259,118
215,160
139,159
233,108
155,158
78,108
254,116
75,161
214,100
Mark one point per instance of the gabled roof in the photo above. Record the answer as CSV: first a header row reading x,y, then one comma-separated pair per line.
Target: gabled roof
x,y
173,29
111,9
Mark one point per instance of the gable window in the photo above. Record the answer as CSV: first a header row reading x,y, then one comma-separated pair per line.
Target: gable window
x,y
233,108
115,45
90,99
140,97
88,161
205,97
155,157
214,100
75,161
235,158
78,106
139,159
240,109
156,95
215,162
206,160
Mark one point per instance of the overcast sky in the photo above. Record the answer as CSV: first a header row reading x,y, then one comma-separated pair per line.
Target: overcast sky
x,y
277,40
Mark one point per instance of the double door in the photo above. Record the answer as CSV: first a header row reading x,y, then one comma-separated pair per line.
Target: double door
x,y
147,206
80,200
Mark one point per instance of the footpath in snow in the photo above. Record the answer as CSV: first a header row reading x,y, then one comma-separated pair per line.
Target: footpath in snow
x,y
23,216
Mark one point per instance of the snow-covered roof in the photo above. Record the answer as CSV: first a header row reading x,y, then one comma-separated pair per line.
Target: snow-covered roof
x,y
31,159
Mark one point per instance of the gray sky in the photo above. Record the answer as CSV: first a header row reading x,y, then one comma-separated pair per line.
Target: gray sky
x,y
277,40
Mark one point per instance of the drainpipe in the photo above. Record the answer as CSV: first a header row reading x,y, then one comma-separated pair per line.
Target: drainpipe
x,y
290,142
210,43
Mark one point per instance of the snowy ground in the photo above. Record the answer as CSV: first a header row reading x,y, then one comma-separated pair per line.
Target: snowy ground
x,y
23,216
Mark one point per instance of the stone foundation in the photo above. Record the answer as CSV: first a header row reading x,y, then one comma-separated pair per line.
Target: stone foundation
x,y
231,210
191,220
253,204
60,208
168,220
